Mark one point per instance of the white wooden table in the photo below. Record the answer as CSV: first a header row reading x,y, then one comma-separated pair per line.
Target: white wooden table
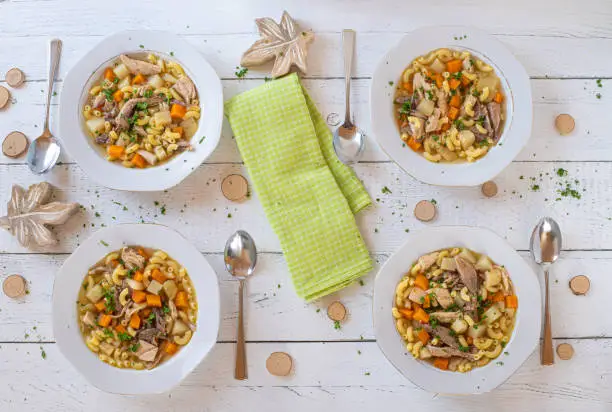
x,y
565,48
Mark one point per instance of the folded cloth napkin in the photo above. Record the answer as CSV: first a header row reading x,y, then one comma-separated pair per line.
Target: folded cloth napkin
x,y
309,196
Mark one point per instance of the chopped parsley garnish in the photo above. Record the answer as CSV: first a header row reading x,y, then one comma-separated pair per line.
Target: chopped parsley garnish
x,y
142,106
103,243
148,93
386,190
43,354
499,363
166,310
130,273
406,107
483,143
141,46
134,347
464,348
457,75
598,95
390,83
202,139
241,72
163,210
172,53
569,192
452,332
109,300
108,332
459,124
108,93
535,188
337,325
480,120
598,81
429,95
561,172
151,318
435,137
434,201
124,336
475,93
433,322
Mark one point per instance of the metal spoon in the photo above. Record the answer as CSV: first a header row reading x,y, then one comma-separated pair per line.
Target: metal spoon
x,y
44,151
349,141
240,259
545,249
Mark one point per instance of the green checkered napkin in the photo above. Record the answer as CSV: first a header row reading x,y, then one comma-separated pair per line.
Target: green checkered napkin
x,y
309,196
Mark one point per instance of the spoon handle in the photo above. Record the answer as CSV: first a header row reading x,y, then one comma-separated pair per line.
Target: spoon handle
x,y
241,370
548,356
348,46
54,58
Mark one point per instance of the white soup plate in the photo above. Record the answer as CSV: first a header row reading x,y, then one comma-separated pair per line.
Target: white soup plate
x,y
70,278
525,336
515,84
89,70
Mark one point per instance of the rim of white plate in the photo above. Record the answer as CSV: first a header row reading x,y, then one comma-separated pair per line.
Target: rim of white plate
x,y
514,80
70,277
525,336
89,68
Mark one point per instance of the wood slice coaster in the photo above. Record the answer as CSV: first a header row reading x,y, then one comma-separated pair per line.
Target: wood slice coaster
x,y
15,77
565,351
580,285
279,364
15,144
425,211
336,311
5,97
565,124
489,189
14,286
235,188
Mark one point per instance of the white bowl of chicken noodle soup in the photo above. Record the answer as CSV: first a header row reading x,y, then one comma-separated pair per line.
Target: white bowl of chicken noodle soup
x,y
141,111
457,310
451,106
146,311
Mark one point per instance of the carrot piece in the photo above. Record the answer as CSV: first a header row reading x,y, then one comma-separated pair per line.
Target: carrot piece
x,y
146,312
118,96
407,313
139,161
426,301
114,263
104,320
115,151
177,129
138,276
413,144
454,83
498,98
109,74
135,321
453,113
496,297
465,81
408,87
446,125
455,101
120,329
420,315
101,306
421,281
469,340
423,336
170,348
439,79
138,296
139,79
441,363
181,300
154,301
177,111
142,253
454,66
512,301
158,276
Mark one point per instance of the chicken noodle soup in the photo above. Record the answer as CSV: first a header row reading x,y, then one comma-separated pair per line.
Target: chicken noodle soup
x,y
449,106
142,112
455,309
136,308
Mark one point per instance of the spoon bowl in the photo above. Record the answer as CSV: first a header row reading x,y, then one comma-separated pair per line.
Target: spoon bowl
x,y
45,150
349,142
240,259
545,248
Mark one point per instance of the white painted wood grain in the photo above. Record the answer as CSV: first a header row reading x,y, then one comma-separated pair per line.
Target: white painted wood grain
x,y
205,218
551,97
540,54
275,313
327,377
587,18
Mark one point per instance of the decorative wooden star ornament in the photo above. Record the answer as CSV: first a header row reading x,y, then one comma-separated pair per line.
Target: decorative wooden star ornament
x,y
284,42
29,212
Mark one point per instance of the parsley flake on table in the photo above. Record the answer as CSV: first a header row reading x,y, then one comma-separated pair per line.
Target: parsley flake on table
x,y
241,72
202,139
561,172
386,190
43,354
103,243
337,325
